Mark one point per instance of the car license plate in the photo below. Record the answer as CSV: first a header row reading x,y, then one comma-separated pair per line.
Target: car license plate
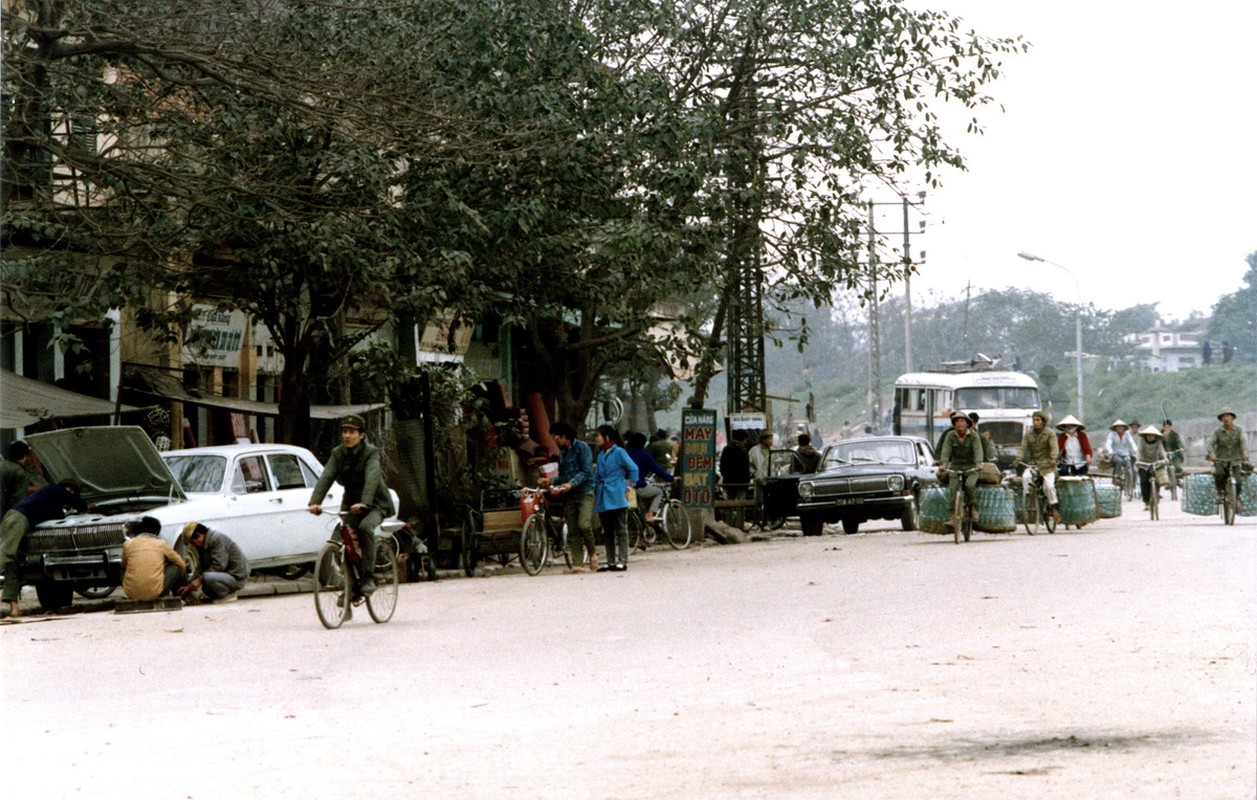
x,y
848,501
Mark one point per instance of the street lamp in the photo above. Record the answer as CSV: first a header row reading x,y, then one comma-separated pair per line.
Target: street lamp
x,y
1077,326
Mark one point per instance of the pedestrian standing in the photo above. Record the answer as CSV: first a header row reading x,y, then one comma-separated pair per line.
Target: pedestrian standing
x,y
576,482
614,474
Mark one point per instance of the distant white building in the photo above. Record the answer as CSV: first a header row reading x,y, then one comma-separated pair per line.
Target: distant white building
x,y
1169,351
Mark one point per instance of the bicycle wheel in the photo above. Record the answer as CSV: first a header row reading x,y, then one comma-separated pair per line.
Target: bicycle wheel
x,y
533,544
1045,513
636,535
676,524
958,512
967,523
558,541
331,587
1154,501
1030,507
1228,502
1173,482
1128,482
383,601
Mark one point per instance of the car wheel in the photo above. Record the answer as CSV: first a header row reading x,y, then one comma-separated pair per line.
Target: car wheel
x,y
850,525
294,571
812,526
95,592
54,596
911,517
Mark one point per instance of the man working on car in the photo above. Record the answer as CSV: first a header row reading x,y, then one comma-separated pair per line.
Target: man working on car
x,y
18,476
50,502
150,567
221,568
355,465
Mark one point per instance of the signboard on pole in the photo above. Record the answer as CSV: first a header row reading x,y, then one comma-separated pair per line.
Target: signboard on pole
x,y
698,457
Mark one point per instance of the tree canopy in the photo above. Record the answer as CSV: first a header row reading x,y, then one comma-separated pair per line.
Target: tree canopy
x,y
568,165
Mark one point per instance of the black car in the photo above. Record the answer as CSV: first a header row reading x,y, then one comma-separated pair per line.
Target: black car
x,y
876,477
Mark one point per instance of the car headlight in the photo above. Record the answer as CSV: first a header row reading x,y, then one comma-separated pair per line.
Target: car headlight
x,y
895,482
805,491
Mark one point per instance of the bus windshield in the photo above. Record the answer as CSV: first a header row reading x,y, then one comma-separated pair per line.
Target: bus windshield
x,y
997,397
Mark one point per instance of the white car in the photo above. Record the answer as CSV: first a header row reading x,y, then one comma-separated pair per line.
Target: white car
x,y
256,494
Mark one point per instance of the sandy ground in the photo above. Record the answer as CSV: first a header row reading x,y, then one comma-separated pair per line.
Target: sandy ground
x,y
1113,662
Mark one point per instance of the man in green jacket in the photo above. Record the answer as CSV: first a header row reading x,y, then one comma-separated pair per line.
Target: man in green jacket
x,y
1040,450
1227,445
355,465
962,450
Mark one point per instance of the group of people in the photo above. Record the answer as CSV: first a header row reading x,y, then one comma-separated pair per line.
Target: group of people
x,y
744,465
605,483
152,568
1069,451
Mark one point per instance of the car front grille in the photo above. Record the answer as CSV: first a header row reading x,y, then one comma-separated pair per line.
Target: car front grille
x,y
865,484
84,537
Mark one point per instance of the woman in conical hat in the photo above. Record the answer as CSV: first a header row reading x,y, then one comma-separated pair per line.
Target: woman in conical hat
x,y
1074,445
1148,450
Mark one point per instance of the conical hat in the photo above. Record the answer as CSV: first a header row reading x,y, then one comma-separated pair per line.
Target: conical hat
x,y
1150,429
1070,419
1113,427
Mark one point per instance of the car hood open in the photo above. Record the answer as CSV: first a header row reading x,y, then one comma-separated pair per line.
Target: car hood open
x,y
109,463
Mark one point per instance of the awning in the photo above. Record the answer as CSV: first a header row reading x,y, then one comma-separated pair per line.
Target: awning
x,y
24,402
156,382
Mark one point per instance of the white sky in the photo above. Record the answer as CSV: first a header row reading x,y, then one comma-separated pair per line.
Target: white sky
x,y
1127,152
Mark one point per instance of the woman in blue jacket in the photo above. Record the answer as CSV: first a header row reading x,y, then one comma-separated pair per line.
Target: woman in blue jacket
x,y
613,475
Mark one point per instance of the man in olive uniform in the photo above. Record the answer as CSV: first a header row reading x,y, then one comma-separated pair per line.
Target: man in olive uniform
x,y
18,477
962,450
1040,450
1227,444
355,465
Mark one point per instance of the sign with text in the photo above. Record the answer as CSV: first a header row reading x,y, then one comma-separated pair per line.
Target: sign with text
x,y
698,457
750,421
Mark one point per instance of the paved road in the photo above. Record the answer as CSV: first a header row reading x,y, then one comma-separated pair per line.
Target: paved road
x,y
1116,661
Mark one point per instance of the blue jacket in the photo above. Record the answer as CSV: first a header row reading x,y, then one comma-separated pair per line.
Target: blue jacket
x,y
576,466
611,481
49,503
647,465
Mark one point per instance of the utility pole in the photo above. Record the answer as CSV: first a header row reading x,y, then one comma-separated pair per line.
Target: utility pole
x,y
875,343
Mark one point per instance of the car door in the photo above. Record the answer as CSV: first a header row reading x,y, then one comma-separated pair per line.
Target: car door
x,y
301,532
255,517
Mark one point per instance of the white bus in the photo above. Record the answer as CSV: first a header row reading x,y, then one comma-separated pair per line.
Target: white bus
x,y
1003,400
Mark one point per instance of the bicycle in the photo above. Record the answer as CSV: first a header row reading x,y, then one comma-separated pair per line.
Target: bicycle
x,y
1173,472
961,509
1123,477
540,538
1035,506
338,576
1230,494
1154,491
672,523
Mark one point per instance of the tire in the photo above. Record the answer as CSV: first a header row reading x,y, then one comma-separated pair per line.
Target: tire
x,y
1032,508
910,519
54,595
958,513
534,544
1228,502
383,601
331,587
676,525
812,526
774,523
559,541
850,525
1045,511
95,592
293,572
1173,473
636,524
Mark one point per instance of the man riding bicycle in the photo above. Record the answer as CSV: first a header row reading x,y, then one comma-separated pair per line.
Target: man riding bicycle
x,y
1227,446
1040,450
962,450
355,465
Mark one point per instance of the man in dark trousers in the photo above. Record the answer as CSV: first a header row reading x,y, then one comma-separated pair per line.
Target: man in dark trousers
x,y
50,502
355,465
221,568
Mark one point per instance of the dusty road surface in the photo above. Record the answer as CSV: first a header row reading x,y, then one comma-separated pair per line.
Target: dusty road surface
x,y
1117,661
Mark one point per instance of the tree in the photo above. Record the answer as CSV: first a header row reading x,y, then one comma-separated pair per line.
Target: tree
x,y
1234,318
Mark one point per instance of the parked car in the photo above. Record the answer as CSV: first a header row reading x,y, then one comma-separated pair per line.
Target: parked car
x,y
875,477
257,494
